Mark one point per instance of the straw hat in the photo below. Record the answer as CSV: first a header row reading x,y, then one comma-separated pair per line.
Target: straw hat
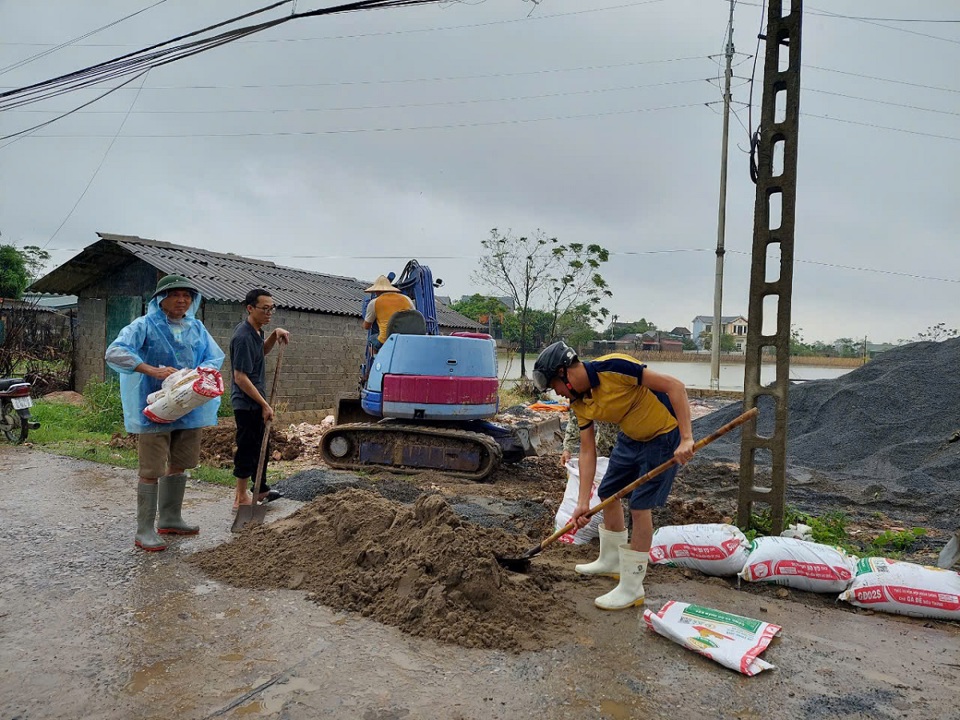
x,y
382,285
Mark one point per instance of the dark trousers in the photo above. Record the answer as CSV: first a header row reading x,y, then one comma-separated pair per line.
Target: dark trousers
x,y
250,428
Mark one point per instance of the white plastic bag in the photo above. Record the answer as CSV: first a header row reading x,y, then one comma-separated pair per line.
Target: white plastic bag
x,y
711,548
181,392
905,589
798,564
733,641
569,504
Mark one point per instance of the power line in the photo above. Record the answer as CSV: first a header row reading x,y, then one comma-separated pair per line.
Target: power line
x,y
438,103
75,40
349,131
100,165
880,102
881,127
401,32
881,79
898,273
440,78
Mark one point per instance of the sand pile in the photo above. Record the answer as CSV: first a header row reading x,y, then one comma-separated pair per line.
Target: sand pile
x,y
420,568
884,429
219,445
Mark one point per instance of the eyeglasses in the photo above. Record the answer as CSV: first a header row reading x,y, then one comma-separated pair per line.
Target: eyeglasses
x,y
269,310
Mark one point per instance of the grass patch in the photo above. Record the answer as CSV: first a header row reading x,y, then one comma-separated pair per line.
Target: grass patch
x,y
65,430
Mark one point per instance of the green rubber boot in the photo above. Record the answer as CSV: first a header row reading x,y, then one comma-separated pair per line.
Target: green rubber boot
x,y
147,538
169,521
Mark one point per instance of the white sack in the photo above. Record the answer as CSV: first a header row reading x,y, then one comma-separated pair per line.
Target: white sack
x,y
733,641
905,589
711,548
181,392
569,504
798,564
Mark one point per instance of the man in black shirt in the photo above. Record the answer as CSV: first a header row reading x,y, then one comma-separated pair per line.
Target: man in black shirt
x,y
248,393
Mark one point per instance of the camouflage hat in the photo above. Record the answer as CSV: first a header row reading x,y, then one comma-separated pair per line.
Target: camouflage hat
x,y
175,282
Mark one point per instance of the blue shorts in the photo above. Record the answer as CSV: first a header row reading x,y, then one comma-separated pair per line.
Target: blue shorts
x,y
631,459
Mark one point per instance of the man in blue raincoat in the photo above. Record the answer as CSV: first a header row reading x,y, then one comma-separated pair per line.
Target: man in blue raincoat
x,y
168,338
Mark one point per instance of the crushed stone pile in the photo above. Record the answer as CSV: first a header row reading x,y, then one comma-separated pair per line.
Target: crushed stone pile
x,y
419,568
883,429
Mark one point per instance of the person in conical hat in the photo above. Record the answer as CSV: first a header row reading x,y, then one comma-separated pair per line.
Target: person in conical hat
x,y
387,300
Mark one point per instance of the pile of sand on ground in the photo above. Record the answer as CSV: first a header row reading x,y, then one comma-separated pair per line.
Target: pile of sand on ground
x,y
420,568
218,446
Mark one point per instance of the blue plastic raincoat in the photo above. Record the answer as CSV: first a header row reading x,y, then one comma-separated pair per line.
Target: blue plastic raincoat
x,y
157,341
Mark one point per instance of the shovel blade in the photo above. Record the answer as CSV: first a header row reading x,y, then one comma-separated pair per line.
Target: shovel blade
x,y
247,516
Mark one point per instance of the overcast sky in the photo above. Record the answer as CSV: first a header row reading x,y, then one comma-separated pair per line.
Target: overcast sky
x,y
352,143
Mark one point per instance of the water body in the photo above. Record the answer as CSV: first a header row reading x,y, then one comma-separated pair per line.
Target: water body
x,y
694,374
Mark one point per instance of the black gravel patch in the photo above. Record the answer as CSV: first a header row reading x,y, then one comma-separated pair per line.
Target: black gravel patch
x,y
884,429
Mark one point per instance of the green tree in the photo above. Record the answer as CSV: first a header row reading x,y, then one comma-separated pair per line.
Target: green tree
x,y
728,343
14,272
535,270
485,310
576,326
578,283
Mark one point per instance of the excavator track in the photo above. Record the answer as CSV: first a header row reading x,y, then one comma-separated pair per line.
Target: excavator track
x,y
410,449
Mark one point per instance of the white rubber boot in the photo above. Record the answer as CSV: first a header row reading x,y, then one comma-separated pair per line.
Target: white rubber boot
x,y
633,568
608,564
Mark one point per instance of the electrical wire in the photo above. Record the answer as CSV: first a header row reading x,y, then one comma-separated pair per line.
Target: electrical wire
x,y
100,165
75,40
167,52
350,131
438,103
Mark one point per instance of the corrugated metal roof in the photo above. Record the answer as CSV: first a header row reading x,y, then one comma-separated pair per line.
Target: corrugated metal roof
x,y
222,276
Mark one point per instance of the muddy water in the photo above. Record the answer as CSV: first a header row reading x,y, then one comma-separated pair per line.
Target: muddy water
x,y
91,628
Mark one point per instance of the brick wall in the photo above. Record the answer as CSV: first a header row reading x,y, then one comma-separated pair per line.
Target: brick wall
x,y
321,362
91,341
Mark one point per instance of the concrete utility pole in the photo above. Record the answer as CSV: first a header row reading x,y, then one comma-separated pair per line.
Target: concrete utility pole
x,y
722,214
773,229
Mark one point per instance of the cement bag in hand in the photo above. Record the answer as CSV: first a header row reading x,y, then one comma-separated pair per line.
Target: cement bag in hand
x,y
798,564
733,641
905,588
711,548
181,392
569,504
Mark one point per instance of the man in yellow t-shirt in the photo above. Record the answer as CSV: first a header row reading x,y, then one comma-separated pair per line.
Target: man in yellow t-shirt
x,y
653,414
387,301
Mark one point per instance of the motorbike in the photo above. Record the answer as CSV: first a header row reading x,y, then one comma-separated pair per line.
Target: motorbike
x,y
15,404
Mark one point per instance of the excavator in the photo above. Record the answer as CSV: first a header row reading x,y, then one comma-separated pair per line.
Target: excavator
x,y
425,401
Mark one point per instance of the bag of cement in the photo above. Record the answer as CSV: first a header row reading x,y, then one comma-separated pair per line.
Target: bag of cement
x,y
733,641
798,564
181,392
711,548
569,504
905,589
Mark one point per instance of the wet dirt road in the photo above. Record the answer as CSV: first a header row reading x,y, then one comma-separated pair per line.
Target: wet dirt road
x,y
91,628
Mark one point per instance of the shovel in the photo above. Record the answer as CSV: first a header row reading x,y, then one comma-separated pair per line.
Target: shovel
x,y
255,512
522,563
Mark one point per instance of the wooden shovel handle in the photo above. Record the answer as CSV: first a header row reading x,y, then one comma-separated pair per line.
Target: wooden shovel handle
x,y
736,422
266,428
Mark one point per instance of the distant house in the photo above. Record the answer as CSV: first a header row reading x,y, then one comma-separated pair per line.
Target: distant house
x,y
681,332
34,326
735,325
658,341
114,279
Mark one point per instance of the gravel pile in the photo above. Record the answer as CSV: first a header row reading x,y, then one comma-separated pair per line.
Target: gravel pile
x,y
885,428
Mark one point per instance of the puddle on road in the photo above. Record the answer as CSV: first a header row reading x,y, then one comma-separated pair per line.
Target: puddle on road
x,y
144,678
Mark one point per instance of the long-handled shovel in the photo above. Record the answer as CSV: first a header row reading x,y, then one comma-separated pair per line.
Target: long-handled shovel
x,y
522,563
255,512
